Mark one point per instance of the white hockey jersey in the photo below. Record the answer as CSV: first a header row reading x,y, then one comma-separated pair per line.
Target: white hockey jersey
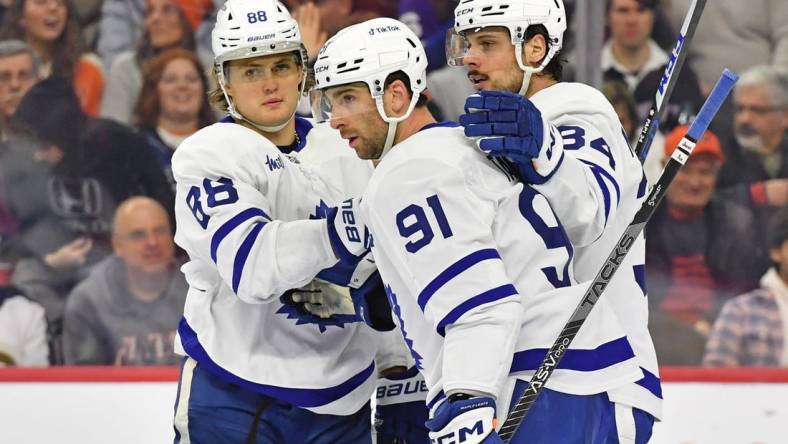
x,y
479,273
242,209
595,193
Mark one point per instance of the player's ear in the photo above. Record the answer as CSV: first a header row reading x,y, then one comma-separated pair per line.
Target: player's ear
x,y
396,99
228,88
534,50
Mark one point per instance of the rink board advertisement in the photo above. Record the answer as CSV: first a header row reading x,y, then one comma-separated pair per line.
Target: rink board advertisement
x,y
133,405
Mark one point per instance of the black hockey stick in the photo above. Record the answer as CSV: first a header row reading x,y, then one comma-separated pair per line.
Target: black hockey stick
x,y
669,79
624,244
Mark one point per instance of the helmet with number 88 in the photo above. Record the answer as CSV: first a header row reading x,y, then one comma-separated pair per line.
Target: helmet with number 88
x,y
254,28
370,52
514,15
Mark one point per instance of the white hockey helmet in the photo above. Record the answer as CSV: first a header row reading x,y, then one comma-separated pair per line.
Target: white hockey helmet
x,y
254,28
369,52
514,15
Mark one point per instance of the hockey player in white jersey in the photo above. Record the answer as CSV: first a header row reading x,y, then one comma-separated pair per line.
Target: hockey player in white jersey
x,y
478,271
256,370
568,144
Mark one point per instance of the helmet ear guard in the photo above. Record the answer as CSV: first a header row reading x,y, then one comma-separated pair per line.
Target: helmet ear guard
x,y
254,28
514,15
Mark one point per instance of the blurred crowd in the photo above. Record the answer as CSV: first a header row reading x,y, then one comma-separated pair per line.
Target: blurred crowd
x,y
95,96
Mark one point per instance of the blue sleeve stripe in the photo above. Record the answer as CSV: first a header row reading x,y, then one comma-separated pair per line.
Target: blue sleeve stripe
x,y
642,186
232,224
243,254
600,175
453,271
607,176
488,296
301,397
439,397
640,276
605,355
651,383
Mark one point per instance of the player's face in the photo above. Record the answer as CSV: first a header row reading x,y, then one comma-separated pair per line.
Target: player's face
x,y
162,23
694,184
17,76
180,90
354,114
490,61
143,239
44,20
758,124
630,23
265,90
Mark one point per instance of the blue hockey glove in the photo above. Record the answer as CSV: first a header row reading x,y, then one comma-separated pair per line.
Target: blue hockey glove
x,y
469,421
509,125
349,237
401,409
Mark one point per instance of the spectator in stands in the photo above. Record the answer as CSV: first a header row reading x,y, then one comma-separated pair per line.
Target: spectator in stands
x,y
752,329
23,330
19,68
51,29
172,105
701,249
623,102
631,55
166,26
122,24
339,14
759,158
127,311
94,164
735,34
429,20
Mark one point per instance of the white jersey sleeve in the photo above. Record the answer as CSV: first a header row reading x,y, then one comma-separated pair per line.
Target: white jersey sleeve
x,y
596,193
437,233
598,167
238,206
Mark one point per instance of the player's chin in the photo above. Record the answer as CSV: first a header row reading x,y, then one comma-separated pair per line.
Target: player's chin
x,y
364,152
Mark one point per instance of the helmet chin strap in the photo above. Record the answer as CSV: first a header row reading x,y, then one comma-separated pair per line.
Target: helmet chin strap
x,y
393,121
528,71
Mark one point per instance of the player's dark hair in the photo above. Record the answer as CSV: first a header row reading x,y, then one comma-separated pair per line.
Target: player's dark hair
x,y
555,66
400,75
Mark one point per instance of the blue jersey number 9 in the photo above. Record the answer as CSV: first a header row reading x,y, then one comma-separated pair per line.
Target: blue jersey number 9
x,y
553,237
413,219
219,192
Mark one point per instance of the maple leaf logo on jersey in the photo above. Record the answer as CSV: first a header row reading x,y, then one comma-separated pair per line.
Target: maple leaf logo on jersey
x,y
290,309
395,308
321,211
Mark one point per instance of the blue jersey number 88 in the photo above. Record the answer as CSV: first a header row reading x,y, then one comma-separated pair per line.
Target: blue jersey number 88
x,y
219,192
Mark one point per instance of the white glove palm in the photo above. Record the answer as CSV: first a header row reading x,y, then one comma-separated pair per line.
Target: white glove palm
x,y
324,300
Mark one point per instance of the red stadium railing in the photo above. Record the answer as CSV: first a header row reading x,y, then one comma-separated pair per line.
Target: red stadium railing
x,y
170,374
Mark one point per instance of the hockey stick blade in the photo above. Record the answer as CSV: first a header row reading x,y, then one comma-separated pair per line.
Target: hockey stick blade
x,y
616,257
669,79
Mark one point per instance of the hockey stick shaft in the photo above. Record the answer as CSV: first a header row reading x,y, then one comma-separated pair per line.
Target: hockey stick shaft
x,y
669,79
616,257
